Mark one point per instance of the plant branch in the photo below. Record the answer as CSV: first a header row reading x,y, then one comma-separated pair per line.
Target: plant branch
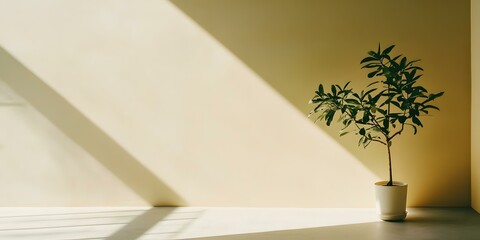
x,y
379,141
398,132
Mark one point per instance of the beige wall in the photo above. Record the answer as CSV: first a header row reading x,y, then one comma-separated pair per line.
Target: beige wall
x,y
204,102
475,25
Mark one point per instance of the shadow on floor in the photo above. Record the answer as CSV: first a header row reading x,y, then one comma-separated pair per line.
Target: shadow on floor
x,y
141,224
88,223
426,224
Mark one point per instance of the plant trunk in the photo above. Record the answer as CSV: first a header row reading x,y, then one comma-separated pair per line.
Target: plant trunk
x,y
390,182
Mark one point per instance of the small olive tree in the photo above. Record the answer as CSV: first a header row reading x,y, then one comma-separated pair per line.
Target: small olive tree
x,y
381,111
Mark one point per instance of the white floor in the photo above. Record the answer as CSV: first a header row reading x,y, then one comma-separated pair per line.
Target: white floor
x,y
233,224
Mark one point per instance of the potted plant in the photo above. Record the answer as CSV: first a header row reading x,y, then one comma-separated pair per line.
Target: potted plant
x,y
391,103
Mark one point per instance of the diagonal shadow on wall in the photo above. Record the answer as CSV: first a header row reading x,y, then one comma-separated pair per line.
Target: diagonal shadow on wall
x,y
86,134
277,42
295,45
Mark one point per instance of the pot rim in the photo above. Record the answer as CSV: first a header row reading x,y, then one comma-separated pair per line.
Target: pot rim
x,y
395,184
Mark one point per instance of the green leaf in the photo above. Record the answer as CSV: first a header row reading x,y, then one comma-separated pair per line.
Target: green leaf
x,y
372,74
424,111
343,133
432,97
388,50
369,91
403,62
414,128
353,112
376,98
372,84
395,58
422,89
417,77
338,87
360,141
352,101
413,72
317,106
436,95
329,117
334,90
346,123
371,65
417,121
366,142
414,112
365,118
320,89
414,67
430,106
356,95
386,123
362,131
384,112
367,59
396,104
413,61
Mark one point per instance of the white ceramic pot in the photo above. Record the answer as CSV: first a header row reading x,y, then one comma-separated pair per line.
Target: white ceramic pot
x,y
391,200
